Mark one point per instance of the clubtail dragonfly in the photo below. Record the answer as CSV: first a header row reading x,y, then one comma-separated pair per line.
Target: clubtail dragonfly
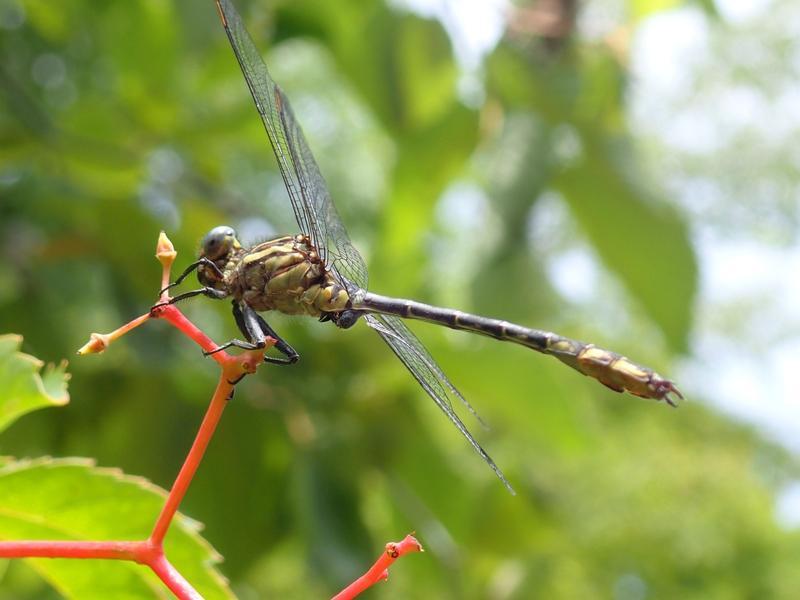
x,y
320,274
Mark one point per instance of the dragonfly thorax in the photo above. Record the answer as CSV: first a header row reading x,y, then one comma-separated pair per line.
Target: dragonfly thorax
x,y
284,274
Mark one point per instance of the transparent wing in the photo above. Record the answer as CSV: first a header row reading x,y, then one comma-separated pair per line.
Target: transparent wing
x,y
334,244
311,201
429,375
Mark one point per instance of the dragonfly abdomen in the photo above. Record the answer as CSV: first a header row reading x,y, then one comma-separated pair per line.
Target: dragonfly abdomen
x,y
456,319
609,368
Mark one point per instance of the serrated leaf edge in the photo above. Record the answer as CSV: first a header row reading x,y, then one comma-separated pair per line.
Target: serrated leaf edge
x,y
192,526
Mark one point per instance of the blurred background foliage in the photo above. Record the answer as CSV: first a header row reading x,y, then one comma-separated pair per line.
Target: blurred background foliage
x,y
481,183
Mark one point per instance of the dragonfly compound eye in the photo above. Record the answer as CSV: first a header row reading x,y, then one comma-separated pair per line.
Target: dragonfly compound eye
x,y
218,242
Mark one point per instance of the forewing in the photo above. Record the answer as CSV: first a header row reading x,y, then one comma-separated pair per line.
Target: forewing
x,y
423,367
317,217
340,254
311,202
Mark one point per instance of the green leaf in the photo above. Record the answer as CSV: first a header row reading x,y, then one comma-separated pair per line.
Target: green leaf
x,y
24,388
520,81
644,8
48,23
444,148
72,499
641,9
709,8
637,237
402,65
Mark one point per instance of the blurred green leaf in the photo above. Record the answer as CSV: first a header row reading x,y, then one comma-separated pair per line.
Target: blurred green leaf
x,y
145,63
24,388
326,501
709,7
402,65
427,159
638,237
72,499
48,23
640,9
522,81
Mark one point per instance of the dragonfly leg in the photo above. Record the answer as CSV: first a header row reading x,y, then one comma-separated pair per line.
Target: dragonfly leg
x,y
256,330
256,339
234,343
191,268
204,291
281,346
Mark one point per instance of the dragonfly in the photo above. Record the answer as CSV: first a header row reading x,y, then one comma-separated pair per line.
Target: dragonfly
x,y
319,273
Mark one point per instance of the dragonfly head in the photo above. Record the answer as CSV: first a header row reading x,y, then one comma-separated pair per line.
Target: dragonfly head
x,y
218,245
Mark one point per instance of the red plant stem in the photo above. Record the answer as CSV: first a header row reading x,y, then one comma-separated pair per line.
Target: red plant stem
x,y
173,579
150,552
171,313
193,459
380,570
112,550
232,369
143,552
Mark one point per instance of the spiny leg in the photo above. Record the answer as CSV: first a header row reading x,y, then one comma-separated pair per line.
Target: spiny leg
x,y
281,345
210,292
256,330
191,268
245,328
